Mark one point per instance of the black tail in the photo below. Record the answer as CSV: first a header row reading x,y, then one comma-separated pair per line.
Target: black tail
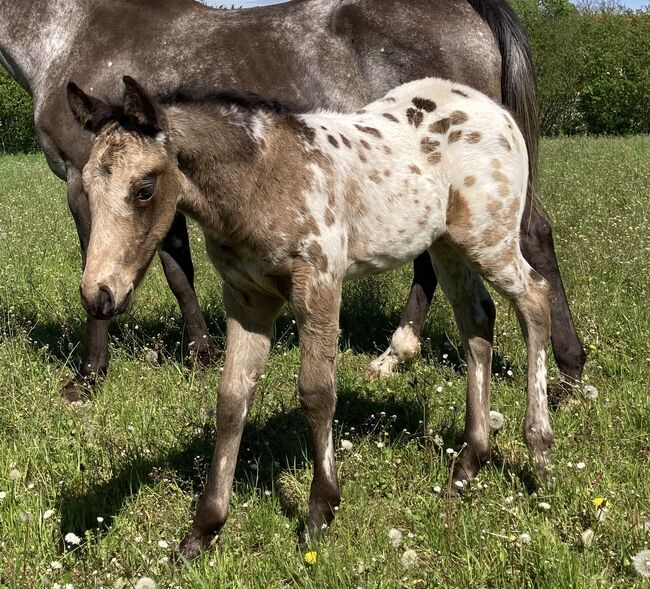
x,y
517,74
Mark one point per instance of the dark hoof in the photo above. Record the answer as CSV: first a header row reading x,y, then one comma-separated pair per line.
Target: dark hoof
x,y
192,545
202,356
77,390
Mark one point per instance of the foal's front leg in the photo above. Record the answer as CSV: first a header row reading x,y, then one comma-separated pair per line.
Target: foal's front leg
x,y
316,305
250,320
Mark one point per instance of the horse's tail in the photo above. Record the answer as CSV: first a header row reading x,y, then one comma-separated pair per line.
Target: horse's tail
x,y
517,74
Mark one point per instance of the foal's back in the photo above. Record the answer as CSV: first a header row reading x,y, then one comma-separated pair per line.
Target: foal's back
x,y
430,158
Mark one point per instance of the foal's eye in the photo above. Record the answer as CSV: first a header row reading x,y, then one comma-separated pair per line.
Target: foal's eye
x,y
145,193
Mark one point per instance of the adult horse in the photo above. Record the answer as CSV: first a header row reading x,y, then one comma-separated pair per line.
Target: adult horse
x,y
337,54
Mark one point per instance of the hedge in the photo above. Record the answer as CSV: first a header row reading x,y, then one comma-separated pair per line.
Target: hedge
x,y
593,73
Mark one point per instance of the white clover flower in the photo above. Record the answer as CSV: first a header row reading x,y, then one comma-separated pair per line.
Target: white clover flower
x,y
641,562
48,514
543,506
164,545
409,558
15,474
587,537
56,586
100,519
509,499
55,565
580,465
71,538
346,445
437,489
68,586
380,444
450,451
3,494
138,538
438,389
590,392
525,539
395,537
145,583
496,421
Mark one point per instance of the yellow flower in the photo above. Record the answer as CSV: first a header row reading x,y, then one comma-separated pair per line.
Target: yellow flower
x,y
600,502
311,557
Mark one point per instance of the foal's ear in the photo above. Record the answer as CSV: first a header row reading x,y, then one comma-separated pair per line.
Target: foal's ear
x,y
141,109
88,111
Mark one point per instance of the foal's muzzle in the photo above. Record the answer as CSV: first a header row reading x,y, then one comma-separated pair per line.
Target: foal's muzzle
x,y
102,305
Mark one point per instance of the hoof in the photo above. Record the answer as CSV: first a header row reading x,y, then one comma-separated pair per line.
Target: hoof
x,y
192,545
77,390
203,355
383,365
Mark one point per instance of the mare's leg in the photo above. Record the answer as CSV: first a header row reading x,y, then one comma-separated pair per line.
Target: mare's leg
x,y
475,314
95,358
538,249
250,320
177,264
316,305
405,343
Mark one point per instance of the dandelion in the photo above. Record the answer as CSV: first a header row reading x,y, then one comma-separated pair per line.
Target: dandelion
x,y
641,562
600,502
151,356
525,539
395,537
409,558
311,557
100,519
48,514
15,475
587,537
496,421
590,392
543,506
71,538
164,545
346,445
145,583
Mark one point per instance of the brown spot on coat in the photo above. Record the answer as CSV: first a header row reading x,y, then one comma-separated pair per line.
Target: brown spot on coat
x,y
333,140
317,257
414,117
375,176
370,130
329,217
364,143
434,157
473,137
388,99
469,181
415,169
459,92
390,117
387,150
500,177
427,145
424,104
346,141
504,142
440,126
458,215
362,157
458,117
454,136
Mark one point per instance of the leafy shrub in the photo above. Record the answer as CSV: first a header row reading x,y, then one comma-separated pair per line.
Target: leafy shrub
x,y
17,131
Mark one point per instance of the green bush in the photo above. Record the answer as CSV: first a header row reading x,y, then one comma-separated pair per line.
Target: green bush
x,y
16,117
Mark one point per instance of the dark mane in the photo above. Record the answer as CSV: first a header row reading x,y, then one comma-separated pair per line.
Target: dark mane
x,y
247,101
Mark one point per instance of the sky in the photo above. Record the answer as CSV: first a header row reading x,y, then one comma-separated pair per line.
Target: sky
x,y
249,3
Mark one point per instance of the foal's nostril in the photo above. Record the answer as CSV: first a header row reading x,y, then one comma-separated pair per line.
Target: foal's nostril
x,y
105,301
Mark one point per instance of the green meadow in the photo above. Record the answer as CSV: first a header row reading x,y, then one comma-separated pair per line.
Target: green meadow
x,y
118,474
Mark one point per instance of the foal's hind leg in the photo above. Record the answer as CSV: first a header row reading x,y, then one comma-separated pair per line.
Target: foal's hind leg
x,y
405,343
475,314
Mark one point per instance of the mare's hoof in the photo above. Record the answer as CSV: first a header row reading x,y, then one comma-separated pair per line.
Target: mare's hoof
x,y
77,390
203,355
192,545
382,366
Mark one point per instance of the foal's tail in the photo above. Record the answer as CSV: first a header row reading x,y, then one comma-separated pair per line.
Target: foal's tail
x,y
517,75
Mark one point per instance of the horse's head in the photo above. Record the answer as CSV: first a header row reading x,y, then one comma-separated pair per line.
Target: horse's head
x,y
133,183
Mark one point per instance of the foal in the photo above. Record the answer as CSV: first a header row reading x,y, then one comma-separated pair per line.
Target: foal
x,y
292,205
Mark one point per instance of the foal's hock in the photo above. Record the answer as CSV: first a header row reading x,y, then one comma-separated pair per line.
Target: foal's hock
x,y
291,206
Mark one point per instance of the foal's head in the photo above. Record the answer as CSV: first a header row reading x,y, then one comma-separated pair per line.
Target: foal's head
x,y
133,184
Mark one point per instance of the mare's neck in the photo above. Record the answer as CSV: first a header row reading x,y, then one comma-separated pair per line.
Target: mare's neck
x,y
35,35
223,152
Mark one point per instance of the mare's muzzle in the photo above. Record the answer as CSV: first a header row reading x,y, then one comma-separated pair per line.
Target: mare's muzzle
x,y
101,304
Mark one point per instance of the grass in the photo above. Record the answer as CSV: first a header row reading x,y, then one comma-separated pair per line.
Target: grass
x,y
136,454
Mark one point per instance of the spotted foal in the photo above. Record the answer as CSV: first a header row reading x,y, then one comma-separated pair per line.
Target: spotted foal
x,y
294,204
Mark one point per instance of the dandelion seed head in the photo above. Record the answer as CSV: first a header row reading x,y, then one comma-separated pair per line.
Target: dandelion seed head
x,y
641,562
164,545
525,539
72,538
590,392
55,565
587,537
15,475
395,537
409,558
346,445
544,506
496,421
145,583
47,514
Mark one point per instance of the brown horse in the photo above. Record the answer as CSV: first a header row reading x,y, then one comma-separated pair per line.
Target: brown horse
x,y
317,53
291,205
